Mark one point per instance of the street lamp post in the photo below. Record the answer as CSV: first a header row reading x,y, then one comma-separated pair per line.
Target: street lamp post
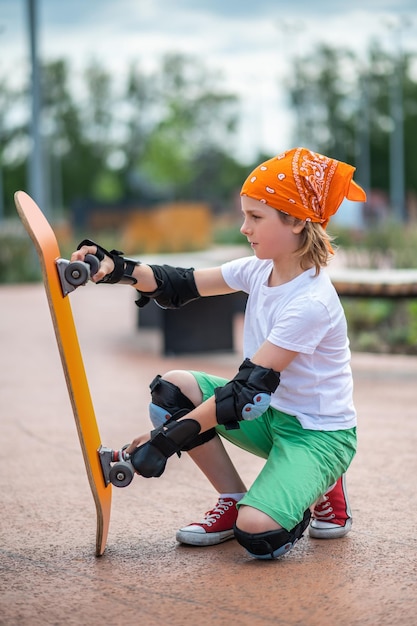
x,y
396,161
36,178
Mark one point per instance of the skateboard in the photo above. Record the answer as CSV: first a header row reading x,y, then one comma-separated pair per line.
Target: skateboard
x,y
61,278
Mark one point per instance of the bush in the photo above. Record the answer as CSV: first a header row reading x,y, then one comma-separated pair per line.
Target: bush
x,y
18,260
382,325
390,245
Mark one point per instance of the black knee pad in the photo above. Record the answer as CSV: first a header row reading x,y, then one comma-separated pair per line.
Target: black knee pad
x,y
274,543
169,404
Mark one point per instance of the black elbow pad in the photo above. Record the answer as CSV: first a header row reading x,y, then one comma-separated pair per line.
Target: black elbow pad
x,y
176,287
247,395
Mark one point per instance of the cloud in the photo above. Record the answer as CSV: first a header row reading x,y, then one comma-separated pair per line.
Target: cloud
x,y
251,44
297,8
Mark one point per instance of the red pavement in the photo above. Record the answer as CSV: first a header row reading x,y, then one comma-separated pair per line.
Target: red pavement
x,y
48,571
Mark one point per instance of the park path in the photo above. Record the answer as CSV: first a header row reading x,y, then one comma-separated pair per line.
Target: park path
x,y
48,571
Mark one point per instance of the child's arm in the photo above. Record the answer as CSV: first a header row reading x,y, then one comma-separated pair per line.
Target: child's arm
x,y
155,281
236,401
246,396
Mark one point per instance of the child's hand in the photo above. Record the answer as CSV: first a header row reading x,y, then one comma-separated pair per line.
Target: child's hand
x,y
136,443
106,265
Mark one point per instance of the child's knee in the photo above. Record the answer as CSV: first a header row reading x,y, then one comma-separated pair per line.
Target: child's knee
x,y
187,383
253,520
172,397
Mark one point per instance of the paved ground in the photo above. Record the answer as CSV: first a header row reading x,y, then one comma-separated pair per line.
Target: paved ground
x,y
48,571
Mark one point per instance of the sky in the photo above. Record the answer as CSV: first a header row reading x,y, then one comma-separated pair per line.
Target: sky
x,y
251,44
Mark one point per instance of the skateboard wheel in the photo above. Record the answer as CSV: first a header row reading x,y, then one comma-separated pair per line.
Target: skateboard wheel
x,y
121,474
76,273
93,262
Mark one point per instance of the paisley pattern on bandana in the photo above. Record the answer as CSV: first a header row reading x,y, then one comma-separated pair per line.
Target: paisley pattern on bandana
x,y
313,174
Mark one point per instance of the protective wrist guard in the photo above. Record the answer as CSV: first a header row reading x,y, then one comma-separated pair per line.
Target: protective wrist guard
x,y
123,268
246,396
150,459
176,287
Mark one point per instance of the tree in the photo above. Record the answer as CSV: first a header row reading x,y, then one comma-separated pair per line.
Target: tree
x,y
78,129
196,116
13,144
162,134
343,108
142,143
322,90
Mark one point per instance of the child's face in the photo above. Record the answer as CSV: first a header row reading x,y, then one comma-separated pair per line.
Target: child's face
x,y
269,236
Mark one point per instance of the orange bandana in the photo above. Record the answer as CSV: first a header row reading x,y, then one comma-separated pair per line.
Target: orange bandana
x,y
304,184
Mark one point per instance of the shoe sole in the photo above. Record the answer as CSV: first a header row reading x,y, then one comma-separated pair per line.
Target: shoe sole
x,y
330,533
203,539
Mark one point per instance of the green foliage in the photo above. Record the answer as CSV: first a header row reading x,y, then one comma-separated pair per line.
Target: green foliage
x,y
388,245
197,117
138,141
18,260
230,236
381,325
152,131
344,108
322,88
396,241
411,310
366,314
107,187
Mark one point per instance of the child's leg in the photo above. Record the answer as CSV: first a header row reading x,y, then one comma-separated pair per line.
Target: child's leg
x,y
217,525
211,457
215,463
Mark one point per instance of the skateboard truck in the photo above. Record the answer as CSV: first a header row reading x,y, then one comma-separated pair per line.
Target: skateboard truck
x,y
73,274
116,466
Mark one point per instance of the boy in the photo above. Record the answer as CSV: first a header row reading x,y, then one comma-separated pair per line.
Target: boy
x,y
291,400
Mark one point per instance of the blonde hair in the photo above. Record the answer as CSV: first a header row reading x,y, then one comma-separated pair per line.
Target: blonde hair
x,y
315,243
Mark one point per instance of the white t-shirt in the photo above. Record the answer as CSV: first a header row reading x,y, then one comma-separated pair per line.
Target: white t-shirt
x,y
304,315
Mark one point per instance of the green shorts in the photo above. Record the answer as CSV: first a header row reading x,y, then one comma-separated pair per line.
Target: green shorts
x,y
300,464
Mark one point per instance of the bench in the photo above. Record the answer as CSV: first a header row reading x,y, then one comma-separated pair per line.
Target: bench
x,y
401,283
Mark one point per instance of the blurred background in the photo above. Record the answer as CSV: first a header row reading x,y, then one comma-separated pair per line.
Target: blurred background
x,y
137,122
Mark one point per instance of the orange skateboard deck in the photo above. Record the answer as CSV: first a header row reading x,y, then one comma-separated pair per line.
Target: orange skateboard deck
x,y
47,248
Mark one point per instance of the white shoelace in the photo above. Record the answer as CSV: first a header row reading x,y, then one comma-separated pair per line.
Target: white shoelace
x,y
221,507
323,510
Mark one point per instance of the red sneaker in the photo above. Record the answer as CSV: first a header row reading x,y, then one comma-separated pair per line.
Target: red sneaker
x,y
332,517
216,527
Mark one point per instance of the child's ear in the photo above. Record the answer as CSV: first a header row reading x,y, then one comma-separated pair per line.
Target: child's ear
x,y
298,227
